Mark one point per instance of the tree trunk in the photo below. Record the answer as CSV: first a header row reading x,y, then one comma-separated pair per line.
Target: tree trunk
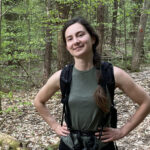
x,y
125,37
136,57
0,52
100,28
135,22
63,55
114,24
29,31
121,6
0,23
48,47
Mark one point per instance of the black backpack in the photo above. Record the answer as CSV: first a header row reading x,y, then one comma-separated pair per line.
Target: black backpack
x,y
107,82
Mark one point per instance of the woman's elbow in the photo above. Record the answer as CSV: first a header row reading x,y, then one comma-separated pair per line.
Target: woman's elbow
x,y
146,103
37,102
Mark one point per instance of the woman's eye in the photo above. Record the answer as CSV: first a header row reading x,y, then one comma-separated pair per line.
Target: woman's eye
x,y
69,39
81,34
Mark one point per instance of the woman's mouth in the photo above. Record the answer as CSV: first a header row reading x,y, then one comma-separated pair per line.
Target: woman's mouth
x,y
78,47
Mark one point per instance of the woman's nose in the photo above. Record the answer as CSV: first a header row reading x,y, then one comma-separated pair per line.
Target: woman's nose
x,y
76,40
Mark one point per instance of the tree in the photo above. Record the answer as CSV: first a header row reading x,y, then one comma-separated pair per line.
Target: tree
x,y
135,20
136,57
63,55
29,28
100,28
48,38
0,22
114,25
125,35
0,50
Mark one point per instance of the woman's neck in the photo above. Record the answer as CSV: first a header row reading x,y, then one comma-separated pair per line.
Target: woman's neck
x,y
83,64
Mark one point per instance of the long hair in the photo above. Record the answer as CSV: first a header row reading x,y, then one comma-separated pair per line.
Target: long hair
x,y
99,94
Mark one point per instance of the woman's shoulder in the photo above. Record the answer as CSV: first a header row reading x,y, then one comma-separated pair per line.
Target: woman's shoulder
x,y
121,76
56,75
54,79
119,73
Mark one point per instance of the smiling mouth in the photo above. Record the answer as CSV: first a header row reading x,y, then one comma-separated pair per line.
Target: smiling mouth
x,y
79,47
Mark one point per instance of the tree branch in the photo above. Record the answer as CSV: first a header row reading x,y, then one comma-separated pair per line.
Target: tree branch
x,y
27,73
7,10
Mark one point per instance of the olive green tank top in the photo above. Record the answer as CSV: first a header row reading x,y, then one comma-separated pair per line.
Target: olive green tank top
x,y
85,114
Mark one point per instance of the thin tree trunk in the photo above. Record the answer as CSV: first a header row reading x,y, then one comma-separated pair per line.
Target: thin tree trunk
x,y
121,5
136,57
0,52
63,55
125,37
29,31
135,22
100,29
48,47
114,24
0,22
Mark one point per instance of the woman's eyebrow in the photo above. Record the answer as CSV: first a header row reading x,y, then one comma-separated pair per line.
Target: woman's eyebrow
x,y
68,36
80,32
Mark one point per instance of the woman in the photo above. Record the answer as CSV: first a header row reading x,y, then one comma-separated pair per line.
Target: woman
x,y
81,42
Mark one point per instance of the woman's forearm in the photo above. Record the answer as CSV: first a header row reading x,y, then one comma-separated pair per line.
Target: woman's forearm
x,y
113,134
45,113
137,118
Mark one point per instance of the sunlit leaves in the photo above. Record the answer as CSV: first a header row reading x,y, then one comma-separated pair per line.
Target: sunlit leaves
x,y
23,40
66,1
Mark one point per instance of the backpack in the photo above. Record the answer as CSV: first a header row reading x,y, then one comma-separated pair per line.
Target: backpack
x,y
107,82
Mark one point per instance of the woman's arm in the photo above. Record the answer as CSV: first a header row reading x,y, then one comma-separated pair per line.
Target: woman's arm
x,y
47,91
138,95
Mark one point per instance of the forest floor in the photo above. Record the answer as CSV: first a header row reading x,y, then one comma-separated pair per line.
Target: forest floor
x,y
22,121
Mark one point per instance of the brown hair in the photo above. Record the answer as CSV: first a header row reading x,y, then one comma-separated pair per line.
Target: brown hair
x,y
100,95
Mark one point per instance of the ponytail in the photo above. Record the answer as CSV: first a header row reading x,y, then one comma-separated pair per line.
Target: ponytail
x,y
100,95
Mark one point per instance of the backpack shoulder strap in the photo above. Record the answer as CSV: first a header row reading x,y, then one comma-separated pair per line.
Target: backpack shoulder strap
x,y
108,79
65,83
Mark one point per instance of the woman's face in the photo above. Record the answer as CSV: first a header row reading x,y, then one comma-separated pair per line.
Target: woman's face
x,y
78,40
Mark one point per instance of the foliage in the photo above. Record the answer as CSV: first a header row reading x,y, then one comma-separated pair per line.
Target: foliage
x,y
23,35
14,103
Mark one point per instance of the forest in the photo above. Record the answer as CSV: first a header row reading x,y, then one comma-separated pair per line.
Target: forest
x,y
31,50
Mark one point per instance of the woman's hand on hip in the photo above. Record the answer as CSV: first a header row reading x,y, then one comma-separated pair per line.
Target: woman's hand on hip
x,y
62,130
110,134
